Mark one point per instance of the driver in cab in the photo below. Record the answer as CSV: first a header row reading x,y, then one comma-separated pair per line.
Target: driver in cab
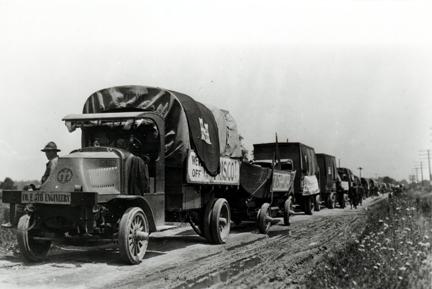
x,y
138,179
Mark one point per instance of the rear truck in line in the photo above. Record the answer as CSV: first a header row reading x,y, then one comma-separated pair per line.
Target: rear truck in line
x,y
305,188
346,186
356,193
149,156
366,188
327,179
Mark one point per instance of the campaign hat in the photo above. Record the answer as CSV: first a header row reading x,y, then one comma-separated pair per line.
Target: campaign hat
x,y
51,146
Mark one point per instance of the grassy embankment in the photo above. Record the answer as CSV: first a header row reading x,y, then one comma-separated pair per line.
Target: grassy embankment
x,y
394,250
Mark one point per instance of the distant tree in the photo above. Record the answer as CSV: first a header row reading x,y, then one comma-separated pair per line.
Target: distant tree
x,y
404,182
22,184
389,180
8,184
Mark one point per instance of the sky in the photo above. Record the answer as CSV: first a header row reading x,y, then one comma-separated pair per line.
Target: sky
x,y
349,78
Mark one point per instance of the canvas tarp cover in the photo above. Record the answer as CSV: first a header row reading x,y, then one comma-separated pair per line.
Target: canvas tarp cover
x,y
229,138
183,129
203,132
328,170
254,179
310,164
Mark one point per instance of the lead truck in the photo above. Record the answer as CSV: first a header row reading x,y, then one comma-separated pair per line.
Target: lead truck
x,y
148,157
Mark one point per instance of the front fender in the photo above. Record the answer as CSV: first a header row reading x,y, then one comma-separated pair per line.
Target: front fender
x,y
126,201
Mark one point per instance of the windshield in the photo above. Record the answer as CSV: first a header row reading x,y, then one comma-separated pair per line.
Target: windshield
x,y
138,136
343,175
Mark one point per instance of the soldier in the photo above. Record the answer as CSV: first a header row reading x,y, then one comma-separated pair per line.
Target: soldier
x,y
51,153
16,211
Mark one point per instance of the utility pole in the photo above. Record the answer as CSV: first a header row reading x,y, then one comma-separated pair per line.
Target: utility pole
x,y
339,163
360,169
429,166
421,171
416,174
427,154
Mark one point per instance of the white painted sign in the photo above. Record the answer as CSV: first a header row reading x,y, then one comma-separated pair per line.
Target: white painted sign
x,y
345,185
229,171
281,181
310,185
40,197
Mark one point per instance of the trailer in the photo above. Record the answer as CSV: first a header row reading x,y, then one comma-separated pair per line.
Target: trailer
x,y
327,179
265,193
306,189
148,157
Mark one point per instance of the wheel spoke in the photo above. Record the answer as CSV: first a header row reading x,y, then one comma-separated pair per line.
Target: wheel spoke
x,y
222,221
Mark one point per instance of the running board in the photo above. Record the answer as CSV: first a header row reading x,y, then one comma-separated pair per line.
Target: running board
x,y
165,227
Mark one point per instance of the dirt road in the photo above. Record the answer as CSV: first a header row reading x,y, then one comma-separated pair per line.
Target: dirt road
x,y
178,258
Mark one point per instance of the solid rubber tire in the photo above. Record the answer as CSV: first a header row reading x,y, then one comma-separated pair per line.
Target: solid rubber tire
x,y
31,250
124,233
217,237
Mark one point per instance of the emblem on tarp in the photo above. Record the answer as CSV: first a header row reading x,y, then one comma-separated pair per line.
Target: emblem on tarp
x,y
205,135
64,176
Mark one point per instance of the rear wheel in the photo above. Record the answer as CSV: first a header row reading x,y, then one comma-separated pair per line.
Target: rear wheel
x,y
308,204
331,202
133,235
205,220
317,202
32,250
264,219
287,211
341,200
220,221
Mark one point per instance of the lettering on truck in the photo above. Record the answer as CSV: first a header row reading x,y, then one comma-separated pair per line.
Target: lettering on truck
x,y
229,171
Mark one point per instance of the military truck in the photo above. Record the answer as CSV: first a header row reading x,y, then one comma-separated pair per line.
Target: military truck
x,y
148,156
306,188
366,187
327,179
346,185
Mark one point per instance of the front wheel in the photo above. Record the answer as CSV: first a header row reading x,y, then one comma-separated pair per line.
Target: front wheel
x,y
133,235
287,211
263,218
32,250
220,221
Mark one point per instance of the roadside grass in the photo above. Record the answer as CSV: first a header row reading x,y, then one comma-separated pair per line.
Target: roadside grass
x,y
394,250
7,236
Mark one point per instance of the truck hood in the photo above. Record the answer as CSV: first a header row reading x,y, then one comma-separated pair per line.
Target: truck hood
x,y
92,171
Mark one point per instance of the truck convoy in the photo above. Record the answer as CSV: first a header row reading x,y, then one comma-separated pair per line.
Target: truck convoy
x,y
306,189
148,156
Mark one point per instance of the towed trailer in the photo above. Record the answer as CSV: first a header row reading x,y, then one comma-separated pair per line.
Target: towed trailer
x,y
149,156
265,193
305,187
327,179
